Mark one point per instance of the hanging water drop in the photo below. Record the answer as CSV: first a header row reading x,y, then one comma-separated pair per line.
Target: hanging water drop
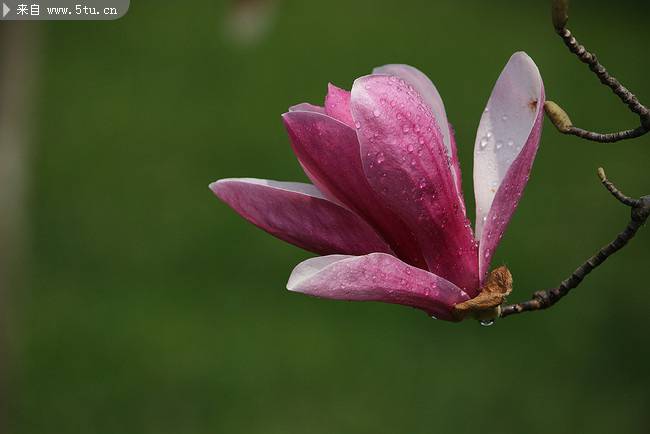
x,y
486,322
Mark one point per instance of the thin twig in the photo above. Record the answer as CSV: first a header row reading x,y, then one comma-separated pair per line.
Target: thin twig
x,y
606,137
545,299
560,17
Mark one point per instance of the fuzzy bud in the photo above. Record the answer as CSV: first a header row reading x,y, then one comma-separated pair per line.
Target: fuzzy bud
x,y
560,13
558,116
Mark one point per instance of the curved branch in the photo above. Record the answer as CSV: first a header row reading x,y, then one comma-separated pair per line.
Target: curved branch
x,y
545,299
560,18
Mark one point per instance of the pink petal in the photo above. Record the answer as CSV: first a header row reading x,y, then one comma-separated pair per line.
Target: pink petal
x,y
455,169
405,161
337,104
299,214
376,277
328,150
427,90
306,107
506,144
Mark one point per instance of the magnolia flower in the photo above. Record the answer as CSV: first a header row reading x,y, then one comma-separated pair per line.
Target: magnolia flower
x,y
386,206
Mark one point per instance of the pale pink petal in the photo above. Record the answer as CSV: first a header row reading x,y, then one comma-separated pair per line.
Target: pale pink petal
x,y
376,277
328,151
337,104
306,107
406,163
506,144
455,166
299,214
425,87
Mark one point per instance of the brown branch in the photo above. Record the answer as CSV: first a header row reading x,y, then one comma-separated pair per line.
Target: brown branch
x,y
560,18
545,299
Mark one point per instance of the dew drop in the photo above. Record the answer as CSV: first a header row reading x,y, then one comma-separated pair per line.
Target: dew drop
x,y
406,129
486,322
376,113
380,158
511,142
504,118
483,143
433,317
358,125
409,148
499,144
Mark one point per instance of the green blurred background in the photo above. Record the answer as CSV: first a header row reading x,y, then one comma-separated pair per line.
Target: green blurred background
x,y
144,305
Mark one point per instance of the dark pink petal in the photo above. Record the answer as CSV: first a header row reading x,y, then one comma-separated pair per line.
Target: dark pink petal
x,y
406,163
328,150
306,107
427,90
337,104
299,214
376,277
506,144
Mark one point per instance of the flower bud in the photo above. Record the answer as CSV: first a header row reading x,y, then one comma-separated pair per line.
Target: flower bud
x,y
558,116
560,13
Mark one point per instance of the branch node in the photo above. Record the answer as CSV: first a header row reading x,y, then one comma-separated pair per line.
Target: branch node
x,y
641,210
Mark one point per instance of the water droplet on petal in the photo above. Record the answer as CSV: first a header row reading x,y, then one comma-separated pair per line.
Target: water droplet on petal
x,y
376,113
380,158
504,118
358,125
433,317
499,144
483,143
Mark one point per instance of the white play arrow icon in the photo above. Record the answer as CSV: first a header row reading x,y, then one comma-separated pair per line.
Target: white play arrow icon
x,y
5,10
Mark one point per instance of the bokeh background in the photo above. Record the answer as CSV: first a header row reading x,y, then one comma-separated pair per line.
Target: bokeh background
x,y
138,303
